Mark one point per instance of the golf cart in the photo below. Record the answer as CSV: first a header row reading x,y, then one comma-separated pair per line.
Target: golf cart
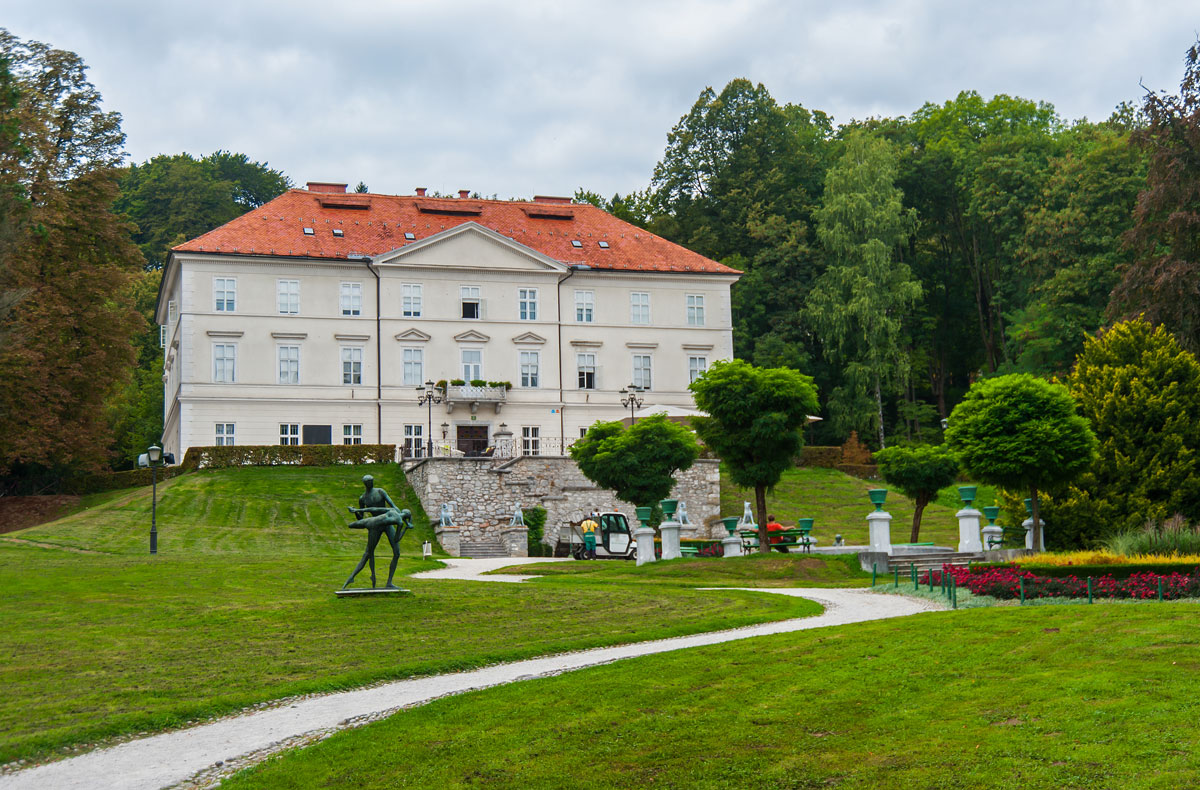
x,y
613,539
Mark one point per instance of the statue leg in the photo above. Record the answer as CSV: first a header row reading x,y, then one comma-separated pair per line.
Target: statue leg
x,y
394,539
372,542
357,568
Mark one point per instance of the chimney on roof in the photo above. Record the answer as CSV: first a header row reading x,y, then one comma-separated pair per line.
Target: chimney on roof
x,y
463,194
420,191
326,186
549,199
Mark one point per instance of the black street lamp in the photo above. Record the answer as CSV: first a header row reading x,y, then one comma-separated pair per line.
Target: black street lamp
x,y
427,396
630,400
154,456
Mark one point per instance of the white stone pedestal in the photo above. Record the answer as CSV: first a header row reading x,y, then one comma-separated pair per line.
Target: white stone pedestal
x,y
969,520
645,545
992,534
732,546
879,523
670,540
1028,525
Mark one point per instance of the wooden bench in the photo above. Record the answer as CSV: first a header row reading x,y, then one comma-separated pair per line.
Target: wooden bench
x,y
789,538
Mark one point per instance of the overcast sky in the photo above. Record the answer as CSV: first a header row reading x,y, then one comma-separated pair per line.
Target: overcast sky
x,y
545,96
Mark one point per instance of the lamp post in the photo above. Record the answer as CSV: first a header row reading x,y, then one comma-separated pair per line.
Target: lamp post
x,y
631,401
153,459
427,396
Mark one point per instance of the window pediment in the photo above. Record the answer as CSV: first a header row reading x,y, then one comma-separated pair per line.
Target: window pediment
x,y
471,336
413,336
529,338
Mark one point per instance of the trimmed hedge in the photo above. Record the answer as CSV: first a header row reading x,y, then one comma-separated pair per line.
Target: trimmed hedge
x,y
287,455
1083,571
827,457
112,481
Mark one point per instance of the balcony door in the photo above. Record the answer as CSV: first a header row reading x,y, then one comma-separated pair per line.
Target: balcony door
x,y
472,439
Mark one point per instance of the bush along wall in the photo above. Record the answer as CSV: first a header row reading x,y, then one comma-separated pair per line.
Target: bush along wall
x,y
287,455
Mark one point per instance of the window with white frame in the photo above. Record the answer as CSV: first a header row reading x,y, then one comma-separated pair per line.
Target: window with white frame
x,y
530,368
695,310
289,364
696,367
224,363
289,433
472,364
351,365
352,433
224,294
585,306
639,308
527,307
410,300
351,298
413,363
172,311
162,336
224,434
586,363
531,440
414,441
641,371
289,296
469,301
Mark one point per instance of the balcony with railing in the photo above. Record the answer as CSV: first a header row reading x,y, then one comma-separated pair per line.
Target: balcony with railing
x,y
473,396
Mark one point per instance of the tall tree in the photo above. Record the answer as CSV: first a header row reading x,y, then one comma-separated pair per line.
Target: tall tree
x,y
858,305
1164,282
919,472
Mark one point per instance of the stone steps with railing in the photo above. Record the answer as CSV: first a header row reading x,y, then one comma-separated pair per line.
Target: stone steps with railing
x,y
480,550
933,560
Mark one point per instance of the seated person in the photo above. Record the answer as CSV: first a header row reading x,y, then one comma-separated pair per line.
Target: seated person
x,y
775,526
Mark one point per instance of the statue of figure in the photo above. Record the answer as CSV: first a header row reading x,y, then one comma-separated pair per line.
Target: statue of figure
x,y
748,516
447,517
681,514
518,519
384,519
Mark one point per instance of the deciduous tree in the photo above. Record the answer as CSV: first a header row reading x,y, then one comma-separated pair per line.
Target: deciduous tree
x,y
918,472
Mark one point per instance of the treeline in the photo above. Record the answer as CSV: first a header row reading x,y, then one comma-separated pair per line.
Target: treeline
x,y
897,260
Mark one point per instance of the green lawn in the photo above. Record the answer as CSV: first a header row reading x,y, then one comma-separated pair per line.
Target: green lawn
x,y
839,504
771,570
239,608
1051,697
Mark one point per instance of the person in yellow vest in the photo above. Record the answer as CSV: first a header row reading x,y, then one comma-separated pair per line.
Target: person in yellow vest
x,y
588,527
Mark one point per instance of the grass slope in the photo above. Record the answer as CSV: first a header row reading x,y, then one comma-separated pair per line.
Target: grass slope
x,y
238,608
771,570
839,504
1055,697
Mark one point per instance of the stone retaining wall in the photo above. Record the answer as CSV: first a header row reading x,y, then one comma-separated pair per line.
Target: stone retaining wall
x,y
485,495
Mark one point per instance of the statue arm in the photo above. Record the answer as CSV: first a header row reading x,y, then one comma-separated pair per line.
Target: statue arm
x,y
388,499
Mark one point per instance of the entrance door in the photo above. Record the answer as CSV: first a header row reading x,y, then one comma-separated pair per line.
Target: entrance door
x,y
472,439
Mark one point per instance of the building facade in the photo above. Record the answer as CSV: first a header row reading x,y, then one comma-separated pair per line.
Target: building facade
x,y
317,317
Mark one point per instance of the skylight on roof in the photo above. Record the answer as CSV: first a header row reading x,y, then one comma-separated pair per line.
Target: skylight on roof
x,y
410,236
339,232
603,245
309,232
576,243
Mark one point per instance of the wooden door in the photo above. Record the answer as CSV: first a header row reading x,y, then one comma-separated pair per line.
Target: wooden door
x,y
472,439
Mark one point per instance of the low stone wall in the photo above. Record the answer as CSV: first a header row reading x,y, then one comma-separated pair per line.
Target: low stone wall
x,y
485,495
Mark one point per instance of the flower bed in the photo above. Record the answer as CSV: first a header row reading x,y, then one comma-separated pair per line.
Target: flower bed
x,y
1005,584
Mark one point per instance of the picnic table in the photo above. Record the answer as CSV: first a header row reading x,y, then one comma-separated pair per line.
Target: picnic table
x,y
788,538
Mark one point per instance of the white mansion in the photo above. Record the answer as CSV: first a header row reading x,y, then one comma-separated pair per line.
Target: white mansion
x,y
316,318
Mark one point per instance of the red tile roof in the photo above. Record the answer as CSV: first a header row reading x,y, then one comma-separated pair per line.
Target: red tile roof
x,y
375,224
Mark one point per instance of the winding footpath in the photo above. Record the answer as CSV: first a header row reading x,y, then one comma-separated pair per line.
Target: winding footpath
x,y
217,748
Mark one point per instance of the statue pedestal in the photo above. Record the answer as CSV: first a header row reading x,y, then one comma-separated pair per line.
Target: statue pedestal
x,y
670,540
879,525
645,545
969,520
1028,525
992,536
360,592
732,546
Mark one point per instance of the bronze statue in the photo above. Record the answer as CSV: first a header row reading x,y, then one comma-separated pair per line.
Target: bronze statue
x,y
385,518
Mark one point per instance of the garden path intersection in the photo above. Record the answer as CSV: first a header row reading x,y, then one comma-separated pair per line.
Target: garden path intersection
x,y
176,757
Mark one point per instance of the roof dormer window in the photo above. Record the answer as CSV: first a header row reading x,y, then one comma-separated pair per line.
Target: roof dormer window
x,y
410,236
603,245
576,243
338,232
309,232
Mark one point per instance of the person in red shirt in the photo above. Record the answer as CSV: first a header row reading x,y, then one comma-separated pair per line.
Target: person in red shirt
x,y
775,526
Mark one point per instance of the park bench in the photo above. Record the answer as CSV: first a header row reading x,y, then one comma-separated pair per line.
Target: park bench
x,y
689,551
789,538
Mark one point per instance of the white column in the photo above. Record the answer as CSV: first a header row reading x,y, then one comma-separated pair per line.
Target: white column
x,y
732,546
879,523
1028,525
969,520
645,545
670,540
991,534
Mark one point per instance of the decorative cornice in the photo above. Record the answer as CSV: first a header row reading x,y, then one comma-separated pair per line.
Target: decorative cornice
x,y
225,333
356,338
697,346
529,338
413,336
636,344
471,336
289,335
587,343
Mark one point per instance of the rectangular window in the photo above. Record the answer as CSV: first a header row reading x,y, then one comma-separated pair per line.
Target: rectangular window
x,y
585,303
224,363
530,364
351,298
472,364
289,433
696,367
224,434
172,311
162,336
410,300
414,366
289,364
352,434
289,296
351,365
639,308
469,300
527,304
695,310
641,371
414,441
225,294
587,371
531,440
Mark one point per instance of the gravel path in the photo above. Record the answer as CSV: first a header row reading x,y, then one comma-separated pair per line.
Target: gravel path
x,y
202,755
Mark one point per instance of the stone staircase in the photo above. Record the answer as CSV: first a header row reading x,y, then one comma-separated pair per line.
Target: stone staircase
x,y
483,549
930,560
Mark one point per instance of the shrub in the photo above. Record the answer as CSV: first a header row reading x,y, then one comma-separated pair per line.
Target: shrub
x,y
281,455
854,451
1173,537
919,473
1005,583
826,457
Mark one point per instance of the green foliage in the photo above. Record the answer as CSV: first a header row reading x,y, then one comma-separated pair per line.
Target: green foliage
x,y
638,463
535,522
1141,392
919,473
276,454
1169,536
